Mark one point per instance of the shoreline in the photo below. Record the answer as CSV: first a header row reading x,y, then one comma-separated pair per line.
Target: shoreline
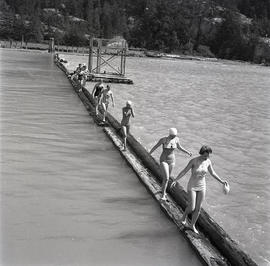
x,y
142,53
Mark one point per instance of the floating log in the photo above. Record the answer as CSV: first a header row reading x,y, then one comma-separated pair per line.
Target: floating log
x,y
224,250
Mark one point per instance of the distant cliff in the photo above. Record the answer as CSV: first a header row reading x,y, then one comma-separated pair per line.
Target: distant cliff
x,y
231,29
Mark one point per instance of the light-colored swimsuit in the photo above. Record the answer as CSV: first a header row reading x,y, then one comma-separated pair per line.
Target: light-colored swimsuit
x,y
197,179
106,97
167,155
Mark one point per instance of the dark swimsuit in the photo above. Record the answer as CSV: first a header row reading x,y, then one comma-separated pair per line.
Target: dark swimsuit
x,y
98,91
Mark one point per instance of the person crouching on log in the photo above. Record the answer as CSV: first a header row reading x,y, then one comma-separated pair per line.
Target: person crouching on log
x,y
96,93
106,95
127,112
167,158
196,188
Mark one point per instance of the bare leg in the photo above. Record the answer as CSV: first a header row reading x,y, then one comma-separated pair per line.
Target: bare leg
x,y
104,111
171,166
125,137
191,206
96,102
166,175
199,200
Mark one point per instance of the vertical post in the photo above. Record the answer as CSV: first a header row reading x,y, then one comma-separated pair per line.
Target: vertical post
x,y
122,55
98,56
90,58
124,58
51,45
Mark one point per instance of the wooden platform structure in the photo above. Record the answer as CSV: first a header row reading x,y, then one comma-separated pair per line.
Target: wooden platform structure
x,y
213,245
108,78
105,51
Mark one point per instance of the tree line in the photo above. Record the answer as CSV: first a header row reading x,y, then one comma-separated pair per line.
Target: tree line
x,y
227,28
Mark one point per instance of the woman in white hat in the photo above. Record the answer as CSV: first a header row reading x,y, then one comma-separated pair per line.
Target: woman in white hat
x,y
199,167
167,157
127,112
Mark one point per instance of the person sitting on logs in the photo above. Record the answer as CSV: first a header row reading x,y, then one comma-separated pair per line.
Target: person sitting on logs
x,y
196,188
97,92
127,112
104,100
167,158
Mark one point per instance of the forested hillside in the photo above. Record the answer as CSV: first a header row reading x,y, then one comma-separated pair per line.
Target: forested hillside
x,y
231,29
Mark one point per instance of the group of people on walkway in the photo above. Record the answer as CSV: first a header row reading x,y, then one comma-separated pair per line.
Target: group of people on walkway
x,y
102,97
80,73
199,166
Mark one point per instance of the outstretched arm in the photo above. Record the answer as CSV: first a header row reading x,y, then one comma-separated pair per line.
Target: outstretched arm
x,y
156,146
214,174
183,149
132,112
183,172
112,99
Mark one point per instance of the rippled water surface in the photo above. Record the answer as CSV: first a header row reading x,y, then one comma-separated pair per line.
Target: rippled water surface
x,y
67,196
223,104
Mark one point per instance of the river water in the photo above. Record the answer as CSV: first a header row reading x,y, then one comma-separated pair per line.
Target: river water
x,y
67,196
223,104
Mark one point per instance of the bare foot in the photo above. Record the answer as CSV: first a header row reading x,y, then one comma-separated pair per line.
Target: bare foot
x,y
164,197
194,229
184,222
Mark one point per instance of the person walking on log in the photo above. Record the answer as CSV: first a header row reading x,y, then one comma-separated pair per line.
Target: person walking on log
x,y
196,188
82,77
96,93
105,98
167,158
127,112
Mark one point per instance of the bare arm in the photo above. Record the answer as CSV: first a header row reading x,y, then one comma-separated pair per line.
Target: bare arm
x,y
183,149
214,174
156,146
123,112
112,99
132,112
183,172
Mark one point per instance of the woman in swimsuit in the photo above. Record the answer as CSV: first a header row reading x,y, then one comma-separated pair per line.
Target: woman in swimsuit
x,y
127,113
167,158
96,93
196,186
105,100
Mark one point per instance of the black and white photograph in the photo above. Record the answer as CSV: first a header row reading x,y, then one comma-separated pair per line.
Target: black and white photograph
x,y
134,132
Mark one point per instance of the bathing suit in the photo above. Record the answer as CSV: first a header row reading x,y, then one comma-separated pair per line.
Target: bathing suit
x,y
197,179
126,117
98,90
167,154
106,97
